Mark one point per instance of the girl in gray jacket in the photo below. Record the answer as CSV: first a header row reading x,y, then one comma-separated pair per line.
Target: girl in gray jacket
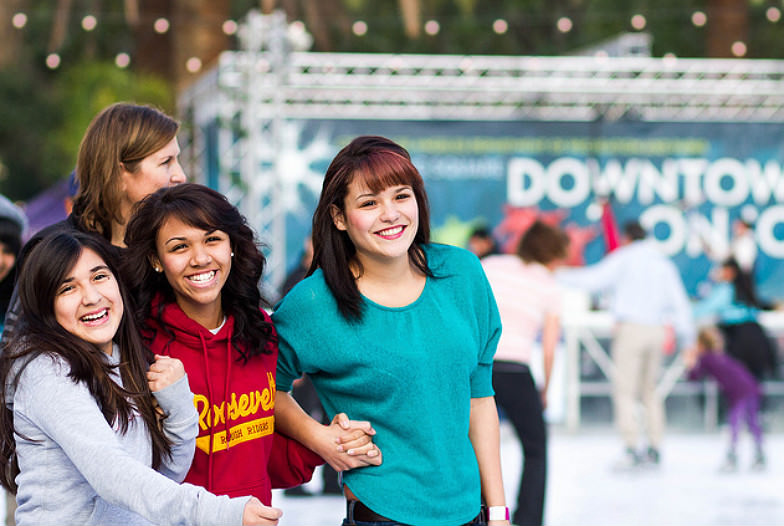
x,y
93,428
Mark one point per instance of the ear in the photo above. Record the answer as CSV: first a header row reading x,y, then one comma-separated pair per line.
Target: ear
x,y
155,263
123,179
337,217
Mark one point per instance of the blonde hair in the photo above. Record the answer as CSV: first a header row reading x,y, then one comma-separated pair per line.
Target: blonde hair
x,y
120,136
710,339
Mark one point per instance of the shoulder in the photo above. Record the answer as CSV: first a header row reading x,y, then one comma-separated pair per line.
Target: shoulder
x,y
449,259
44,368
308,296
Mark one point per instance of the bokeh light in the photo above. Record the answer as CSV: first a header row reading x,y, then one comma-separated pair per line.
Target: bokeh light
x,y
19,20
230,27
161,25
500,26
639,22
359,28
432,27
699,19
122,60
89,22
193,64
53,61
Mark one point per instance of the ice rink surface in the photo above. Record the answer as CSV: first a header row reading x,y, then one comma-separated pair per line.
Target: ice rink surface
x,y
583,488
687,489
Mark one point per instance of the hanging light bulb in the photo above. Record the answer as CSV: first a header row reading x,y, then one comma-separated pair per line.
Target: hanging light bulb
x,y
19,20
53,61
161,25
89,22
500,26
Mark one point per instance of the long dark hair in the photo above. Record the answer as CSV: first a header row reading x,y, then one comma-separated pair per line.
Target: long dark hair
x,y
380,163
201,207
39,333
742,284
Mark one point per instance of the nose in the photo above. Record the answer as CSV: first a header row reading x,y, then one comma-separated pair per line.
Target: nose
x,y
178,174
389,211
200,257
91,295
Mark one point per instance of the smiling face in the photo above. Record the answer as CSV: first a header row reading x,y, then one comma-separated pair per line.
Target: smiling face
x,y
88,302
381,225
196,264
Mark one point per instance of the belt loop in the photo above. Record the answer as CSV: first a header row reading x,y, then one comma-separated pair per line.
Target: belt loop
x,y
350,511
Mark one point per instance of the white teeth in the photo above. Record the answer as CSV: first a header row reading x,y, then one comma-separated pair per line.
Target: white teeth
x,y
96,316
391,231
202,277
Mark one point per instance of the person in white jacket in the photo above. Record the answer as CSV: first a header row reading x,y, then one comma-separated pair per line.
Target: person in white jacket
x,y
94,429
647,297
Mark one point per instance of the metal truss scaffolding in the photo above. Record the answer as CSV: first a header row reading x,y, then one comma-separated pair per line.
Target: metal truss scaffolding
x,y
253,90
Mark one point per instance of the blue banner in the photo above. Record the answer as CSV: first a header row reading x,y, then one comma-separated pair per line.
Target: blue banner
x,y
685,182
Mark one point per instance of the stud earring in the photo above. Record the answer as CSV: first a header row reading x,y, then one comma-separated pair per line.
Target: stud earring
x,y
232,254
157,269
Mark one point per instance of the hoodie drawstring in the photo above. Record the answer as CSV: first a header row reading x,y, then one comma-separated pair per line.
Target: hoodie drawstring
x,y
226,390
210,411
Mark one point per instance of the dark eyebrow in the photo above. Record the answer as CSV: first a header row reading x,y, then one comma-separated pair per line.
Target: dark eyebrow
x,y
99,267
175,238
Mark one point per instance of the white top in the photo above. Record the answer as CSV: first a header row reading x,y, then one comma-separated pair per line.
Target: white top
x,y
524,293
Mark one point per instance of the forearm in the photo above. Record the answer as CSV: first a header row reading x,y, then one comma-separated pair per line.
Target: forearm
x,y
551,333
485,438
292,421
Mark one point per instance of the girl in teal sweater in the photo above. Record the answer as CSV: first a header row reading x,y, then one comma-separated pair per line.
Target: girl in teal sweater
x,y
400,332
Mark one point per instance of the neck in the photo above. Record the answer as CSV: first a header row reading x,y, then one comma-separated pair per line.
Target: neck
x,y
208,316
383,271
118,234
392,284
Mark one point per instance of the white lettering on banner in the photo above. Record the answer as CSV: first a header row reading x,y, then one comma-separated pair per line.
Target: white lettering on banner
x,y
568,181
730,170
765,183
725,183
765,230
523,171
568,168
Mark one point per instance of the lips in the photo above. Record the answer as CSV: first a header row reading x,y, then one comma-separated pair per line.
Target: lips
x,y
392,232
95,318
202,277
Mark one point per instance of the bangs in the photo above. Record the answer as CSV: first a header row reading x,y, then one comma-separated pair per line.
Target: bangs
x,y
384,169
192,214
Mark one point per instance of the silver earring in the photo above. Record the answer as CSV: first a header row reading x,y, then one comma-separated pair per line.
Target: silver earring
x,y
157,269
232,254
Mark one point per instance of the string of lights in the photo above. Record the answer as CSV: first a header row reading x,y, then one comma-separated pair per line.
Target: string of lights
x,y
364,27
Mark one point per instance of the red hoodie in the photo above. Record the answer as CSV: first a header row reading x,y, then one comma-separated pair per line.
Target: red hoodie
x,y
242,402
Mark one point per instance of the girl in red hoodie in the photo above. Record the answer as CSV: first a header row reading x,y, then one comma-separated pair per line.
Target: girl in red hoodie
x,y
194,268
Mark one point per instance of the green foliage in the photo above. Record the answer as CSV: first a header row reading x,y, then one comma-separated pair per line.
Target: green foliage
x,y
91,86
41,131
28,115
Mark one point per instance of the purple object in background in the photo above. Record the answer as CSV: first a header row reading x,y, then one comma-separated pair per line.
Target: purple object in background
x,y
48,207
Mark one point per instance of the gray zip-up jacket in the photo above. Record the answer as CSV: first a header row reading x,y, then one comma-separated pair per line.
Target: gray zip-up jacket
x,y
76,469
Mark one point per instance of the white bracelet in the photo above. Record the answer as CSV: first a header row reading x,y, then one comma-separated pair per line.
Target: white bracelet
x,y
497,513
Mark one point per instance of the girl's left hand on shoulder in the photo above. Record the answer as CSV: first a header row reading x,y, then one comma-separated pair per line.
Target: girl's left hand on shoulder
x,y
164,372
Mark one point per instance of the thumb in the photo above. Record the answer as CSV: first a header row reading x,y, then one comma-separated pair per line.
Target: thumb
x,y
342,420
268,512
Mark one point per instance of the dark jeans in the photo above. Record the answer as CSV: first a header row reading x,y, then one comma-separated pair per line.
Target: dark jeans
x,y
479,521
517,395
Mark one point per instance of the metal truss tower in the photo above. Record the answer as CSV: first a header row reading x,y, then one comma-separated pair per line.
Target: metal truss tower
x,y
242,102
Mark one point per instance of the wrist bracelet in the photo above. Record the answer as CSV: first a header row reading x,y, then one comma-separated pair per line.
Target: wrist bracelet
x,y
497,513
